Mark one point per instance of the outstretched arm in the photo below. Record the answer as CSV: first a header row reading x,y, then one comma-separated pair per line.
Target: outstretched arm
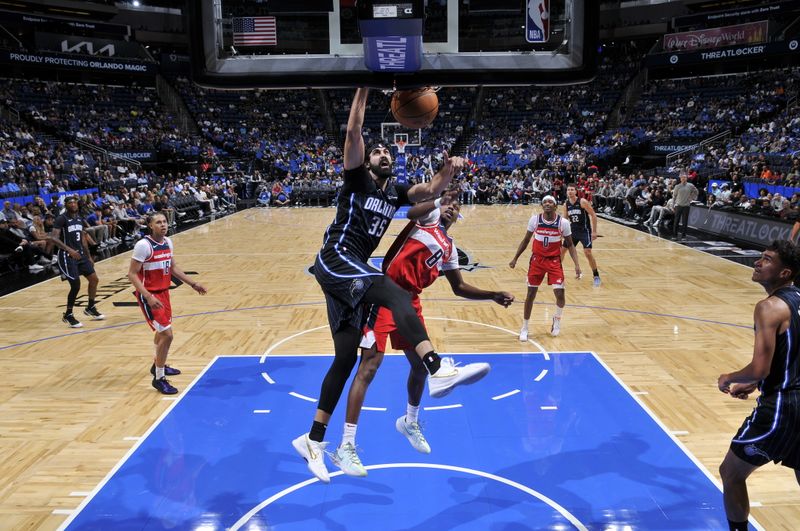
x,y
353,141
462,289
424,208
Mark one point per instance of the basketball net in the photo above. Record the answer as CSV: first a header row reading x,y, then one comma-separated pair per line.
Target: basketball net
x,y
401,146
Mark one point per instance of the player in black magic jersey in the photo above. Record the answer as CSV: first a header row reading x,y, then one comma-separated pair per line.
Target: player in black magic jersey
x,y
75,260
583,222
365,207
772,431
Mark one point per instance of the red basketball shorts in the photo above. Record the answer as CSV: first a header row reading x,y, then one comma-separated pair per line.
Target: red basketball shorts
x,y
159,319
545,265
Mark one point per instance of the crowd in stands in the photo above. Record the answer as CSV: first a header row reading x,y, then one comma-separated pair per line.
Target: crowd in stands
x,y
283,147
114,206
116,118
696,108
283,130
553,126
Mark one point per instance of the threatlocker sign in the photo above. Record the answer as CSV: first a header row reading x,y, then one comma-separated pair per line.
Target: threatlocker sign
x,y
757,230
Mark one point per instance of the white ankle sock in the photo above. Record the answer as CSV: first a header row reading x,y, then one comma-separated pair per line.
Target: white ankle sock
x,y
412,413
349,435
559,312
159,373
525,323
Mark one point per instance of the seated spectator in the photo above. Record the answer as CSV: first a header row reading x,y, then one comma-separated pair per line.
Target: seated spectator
x,y
725,195
20,249
107,218
96,230
162,205
660,215
206,203
282,200
145,207
779,204
40,238
276,188
127,223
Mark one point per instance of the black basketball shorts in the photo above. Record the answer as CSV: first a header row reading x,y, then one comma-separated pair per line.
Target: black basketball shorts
x,y
344,281
71,269
582,236
771,432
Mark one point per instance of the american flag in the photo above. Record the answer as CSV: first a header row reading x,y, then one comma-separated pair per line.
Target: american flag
x,y
254,31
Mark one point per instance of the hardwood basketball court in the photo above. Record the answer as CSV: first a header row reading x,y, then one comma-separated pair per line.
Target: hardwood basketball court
x,y
667,319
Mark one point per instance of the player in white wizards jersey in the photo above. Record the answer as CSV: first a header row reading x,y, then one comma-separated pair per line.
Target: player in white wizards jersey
x,y
548,231
151,270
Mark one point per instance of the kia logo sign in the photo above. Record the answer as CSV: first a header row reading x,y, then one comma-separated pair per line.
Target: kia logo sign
x,y
87,47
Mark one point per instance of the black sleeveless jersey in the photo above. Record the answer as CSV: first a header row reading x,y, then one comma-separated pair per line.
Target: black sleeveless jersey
x,y
784,374
71,231
363,213
578,217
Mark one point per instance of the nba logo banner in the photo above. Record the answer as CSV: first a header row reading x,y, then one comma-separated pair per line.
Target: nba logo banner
x,y
537,21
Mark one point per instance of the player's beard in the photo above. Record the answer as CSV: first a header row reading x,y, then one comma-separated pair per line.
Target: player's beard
x,y
381,173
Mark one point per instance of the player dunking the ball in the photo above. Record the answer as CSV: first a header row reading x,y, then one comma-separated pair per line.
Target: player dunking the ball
x,y
365,207
151,270
772,431
547,230
414,261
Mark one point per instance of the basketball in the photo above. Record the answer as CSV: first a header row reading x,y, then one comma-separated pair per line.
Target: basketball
x,y
416,108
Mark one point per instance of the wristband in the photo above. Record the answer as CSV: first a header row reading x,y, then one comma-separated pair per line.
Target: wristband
x,y
437,203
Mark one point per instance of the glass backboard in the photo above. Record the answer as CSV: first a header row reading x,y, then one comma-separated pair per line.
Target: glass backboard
x,y
320,43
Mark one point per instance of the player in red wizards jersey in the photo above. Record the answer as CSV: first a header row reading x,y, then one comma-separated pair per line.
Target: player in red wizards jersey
x,y
151,270
416,258
547,230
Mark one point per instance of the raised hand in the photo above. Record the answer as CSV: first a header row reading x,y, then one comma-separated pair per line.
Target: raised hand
x,y
452,165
